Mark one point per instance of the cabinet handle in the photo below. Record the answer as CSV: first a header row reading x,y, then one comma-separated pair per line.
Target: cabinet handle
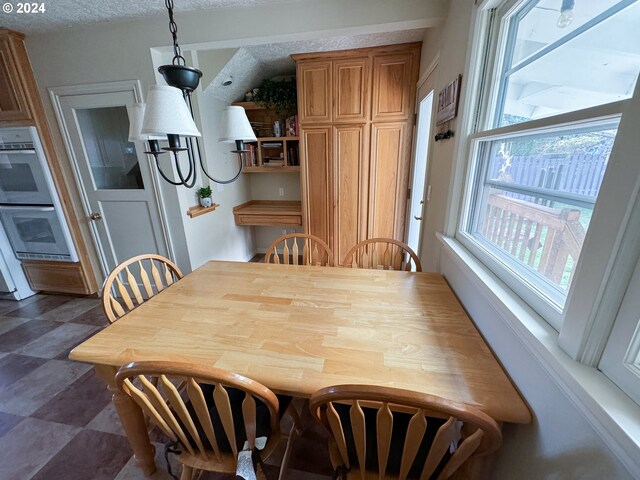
x,y
95,216
417,218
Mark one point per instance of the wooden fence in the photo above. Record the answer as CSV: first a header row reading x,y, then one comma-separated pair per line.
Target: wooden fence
x,y
579,174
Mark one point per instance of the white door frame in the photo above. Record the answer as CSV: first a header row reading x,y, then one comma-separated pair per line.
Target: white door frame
x,y
134,86
414,148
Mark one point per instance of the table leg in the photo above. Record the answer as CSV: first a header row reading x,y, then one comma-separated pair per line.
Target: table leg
x,y
132,420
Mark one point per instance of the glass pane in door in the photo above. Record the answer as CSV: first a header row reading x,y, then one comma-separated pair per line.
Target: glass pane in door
x,y
112,158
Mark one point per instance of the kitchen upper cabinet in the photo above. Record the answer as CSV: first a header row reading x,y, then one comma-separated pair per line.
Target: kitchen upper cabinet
x,y
14,106
314,92
393,87
351,84
316,182
351,174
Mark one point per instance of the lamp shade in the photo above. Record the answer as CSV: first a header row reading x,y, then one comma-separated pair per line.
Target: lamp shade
x,y
167,113
235,126
136,116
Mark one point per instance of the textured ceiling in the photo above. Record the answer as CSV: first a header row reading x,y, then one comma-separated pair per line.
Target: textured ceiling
x,y
69,13
250,65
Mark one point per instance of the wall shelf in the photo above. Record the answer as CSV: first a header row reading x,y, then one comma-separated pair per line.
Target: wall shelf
x,y
198,210
268,212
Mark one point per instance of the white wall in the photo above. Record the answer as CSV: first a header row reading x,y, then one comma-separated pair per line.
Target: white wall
x,y
560,443
121,51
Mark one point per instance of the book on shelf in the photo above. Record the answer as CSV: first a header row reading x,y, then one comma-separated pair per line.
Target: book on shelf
x,y
249,159
272,144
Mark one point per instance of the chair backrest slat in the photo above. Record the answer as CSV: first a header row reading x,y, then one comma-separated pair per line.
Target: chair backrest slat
x,y
462,454
155,273
249,415
382,253
166,406
162,408
143,402
223,405
202,413
415,432
469,431
124,294
441,442
133,285
338,433
384,423
285,252
114,290
178,406
359,432
145,280
314,250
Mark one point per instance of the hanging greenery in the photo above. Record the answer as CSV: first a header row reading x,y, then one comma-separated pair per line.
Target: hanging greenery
x,y
278,95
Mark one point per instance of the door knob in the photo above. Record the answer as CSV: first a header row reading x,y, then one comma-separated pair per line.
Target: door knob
x,y
417,218
95,216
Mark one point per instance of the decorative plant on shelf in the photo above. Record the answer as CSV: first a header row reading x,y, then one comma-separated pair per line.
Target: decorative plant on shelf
x,y
205,196
278,95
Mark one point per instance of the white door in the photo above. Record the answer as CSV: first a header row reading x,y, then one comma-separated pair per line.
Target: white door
x,y
416,205
114,175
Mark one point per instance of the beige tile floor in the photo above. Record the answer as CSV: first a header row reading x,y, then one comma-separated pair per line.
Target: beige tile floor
x,y
56,418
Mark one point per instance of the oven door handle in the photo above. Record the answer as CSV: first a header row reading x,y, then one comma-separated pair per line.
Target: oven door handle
x,y
16,208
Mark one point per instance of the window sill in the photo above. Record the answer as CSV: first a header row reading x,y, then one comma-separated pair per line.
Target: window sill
x,y
612,414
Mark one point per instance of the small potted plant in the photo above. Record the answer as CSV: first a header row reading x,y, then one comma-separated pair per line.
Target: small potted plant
x,y
205,196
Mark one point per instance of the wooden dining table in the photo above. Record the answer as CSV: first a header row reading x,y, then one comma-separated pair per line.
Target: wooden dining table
x,y
297,329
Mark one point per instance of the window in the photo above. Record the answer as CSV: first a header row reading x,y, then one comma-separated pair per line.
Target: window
x,y
546,127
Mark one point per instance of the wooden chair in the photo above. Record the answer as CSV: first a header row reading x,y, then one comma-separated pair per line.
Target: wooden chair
x,y
153,282
382,253
209,412
380,432
314,250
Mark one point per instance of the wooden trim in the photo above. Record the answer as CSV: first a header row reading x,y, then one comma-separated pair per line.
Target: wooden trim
x,y
337,54
35,105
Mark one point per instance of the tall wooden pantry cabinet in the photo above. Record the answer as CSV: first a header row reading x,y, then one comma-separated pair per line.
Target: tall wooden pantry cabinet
x,y
356,114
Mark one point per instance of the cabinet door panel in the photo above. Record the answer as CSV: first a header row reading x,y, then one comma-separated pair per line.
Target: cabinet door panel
x,y
13,101
388,180
314,92
351,90
392,87
351,170
315,165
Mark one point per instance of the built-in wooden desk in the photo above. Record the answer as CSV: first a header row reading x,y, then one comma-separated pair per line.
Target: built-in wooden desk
x,y
268,212
297,329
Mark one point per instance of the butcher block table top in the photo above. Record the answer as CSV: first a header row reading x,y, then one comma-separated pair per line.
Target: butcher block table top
x,y
297,329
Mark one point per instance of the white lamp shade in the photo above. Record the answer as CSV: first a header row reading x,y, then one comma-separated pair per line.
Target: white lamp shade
x,y
167,113
136,116
235,126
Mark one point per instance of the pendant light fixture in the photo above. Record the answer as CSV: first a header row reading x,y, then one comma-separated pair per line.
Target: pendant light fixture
x,y
168,115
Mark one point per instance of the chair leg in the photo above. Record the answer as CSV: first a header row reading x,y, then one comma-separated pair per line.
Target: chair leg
x,y
287,452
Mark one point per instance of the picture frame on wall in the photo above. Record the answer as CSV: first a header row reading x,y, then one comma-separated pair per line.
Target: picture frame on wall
x,y
448,97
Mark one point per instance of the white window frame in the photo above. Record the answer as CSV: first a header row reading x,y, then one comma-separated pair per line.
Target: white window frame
x,y
578,301
615,232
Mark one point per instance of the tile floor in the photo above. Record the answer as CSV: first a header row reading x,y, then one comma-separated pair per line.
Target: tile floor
x,y
56,418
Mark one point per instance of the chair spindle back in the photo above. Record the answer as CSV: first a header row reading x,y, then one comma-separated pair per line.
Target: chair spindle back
x,y
314,250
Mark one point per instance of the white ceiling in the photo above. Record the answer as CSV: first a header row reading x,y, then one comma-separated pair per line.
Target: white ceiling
x,y
69,13
251,64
